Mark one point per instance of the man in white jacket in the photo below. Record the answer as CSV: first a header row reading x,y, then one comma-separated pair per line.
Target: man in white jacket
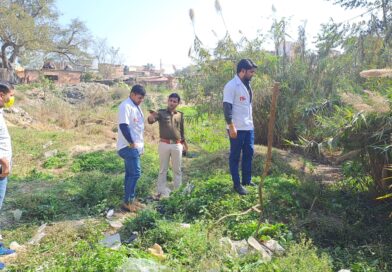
x,y
237,106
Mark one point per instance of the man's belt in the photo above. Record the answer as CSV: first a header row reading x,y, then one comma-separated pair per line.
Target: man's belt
x,y
168,141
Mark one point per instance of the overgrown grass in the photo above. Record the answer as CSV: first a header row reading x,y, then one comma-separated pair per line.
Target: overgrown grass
x,y
344,221
95,185
349,229
29,147
208,132
69,247
192,249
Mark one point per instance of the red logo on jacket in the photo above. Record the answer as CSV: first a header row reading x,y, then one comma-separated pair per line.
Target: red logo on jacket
x,y
242,98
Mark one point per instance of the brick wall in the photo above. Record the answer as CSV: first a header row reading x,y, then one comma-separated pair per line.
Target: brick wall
x,y
58,76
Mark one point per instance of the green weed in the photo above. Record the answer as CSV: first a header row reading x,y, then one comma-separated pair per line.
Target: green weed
x,y
103,161
58,161
144,221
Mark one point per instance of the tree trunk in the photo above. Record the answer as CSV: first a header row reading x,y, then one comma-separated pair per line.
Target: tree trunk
x,y
385,21
4,59
6,62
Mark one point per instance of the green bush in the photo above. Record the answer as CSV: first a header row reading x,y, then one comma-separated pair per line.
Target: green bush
x,y
207,132
86,257
42,206
144,220
301,257
198,203
103,161
58,161
283,196
369,258
188,249
87,77
355,177
70,247
95,191
33,176
239,229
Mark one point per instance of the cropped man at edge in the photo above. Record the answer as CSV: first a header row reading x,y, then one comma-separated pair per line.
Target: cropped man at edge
x,y
130,144
6,100
237,107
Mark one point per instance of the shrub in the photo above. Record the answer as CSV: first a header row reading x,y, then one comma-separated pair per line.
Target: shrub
x,y
103,161
42,207
198,202
96,191
94,258
188,249
70,247
144,220
302,257
241,229
58,161
210,198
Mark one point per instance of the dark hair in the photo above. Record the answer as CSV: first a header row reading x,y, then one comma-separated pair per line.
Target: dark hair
x,y
175,95
5,87
246,64
138,89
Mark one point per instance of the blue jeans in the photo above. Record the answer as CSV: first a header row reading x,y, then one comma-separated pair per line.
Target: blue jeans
x,y
244,142
3,188
131,159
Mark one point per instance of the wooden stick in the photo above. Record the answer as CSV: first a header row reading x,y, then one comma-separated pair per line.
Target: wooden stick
x,y
271,125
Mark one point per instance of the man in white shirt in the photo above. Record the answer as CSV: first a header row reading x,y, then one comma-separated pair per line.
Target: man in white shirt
x,y
6,101
237,106
130,144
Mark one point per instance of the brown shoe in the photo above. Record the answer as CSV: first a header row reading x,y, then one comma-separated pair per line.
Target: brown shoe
x,y
128,207
138,204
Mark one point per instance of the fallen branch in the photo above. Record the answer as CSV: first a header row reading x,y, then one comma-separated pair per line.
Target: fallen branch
x,y
254,208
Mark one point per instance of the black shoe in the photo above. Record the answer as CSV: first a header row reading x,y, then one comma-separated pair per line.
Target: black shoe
x,y
241,190
250,184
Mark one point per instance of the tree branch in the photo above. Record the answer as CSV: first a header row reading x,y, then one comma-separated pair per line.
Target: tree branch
x,y
254,208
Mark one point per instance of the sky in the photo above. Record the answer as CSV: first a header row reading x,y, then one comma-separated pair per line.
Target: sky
x,y
160,31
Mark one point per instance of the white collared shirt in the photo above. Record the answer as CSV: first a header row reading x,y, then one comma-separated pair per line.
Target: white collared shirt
x,y
236,93
5,139
131,114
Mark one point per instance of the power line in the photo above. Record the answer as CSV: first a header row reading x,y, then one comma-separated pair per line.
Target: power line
x,y
360,15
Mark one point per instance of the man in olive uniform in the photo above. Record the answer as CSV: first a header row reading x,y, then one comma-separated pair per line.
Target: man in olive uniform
x,y
172,142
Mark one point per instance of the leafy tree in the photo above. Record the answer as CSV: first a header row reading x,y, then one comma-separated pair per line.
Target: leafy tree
x,y
31,26
379,24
